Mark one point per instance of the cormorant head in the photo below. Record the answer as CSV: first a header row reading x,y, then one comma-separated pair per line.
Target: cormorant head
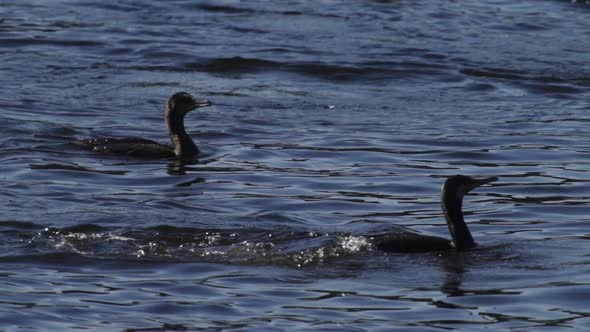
x,y
460,185
183,102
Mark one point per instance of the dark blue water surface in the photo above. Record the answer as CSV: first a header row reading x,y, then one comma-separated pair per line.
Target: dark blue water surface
x,y
333,121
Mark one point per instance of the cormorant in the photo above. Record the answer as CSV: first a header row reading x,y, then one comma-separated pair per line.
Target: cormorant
x,y
179,104
453,190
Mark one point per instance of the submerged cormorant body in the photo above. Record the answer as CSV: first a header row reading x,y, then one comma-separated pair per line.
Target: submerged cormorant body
x,y
179,104
453,191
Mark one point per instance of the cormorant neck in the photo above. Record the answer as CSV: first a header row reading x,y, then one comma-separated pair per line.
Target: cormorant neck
x,y
452,202
184,147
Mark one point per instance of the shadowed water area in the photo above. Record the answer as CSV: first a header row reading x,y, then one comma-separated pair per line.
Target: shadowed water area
x,y
332,122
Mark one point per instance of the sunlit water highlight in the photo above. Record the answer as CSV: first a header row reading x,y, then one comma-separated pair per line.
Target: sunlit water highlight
x,y
333,122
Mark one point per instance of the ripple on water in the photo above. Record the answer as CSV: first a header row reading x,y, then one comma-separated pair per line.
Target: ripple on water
x,y
331,125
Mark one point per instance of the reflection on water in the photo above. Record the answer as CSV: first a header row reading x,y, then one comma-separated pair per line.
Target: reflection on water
x,y
332,123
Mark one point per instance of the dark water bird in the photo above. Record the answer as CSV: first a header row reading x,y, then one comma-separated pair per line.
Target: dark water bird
x,y
453,191
183,147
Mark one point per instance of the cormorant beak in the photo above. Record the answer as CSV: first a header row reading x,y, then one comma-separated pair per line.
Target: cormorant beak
x,y
201,103
474,183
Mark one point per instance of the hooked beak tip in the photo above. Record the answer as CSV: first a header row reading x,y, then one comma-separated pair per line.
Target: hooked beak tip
x,y
483,181
202,103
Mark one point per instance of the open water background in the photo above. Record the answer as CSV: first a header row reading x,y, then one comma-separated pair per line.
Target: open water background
x,y
333,121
